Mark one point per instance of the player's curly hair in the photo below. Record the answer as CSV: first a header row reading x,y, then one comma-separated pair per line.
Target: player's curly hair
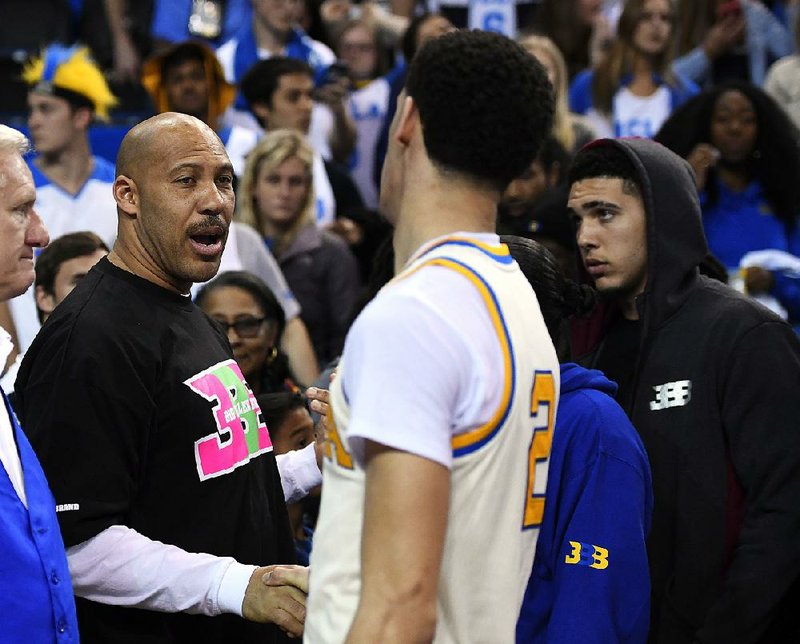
x,y
485,105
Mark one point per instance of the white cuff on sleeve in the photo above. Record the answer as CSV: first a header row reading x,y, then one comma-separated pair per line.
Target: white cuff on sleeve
x,y
230,596
299,473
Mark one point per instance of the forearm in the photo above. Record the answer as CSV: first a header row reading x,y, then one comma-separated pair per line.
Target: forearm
x,y
343,135
390,24
122,567
405,519
115,13
296,344
694,65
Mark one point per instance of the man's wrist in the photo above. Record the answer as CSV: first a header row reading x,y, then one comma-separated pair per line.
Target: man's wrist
x,y
232,587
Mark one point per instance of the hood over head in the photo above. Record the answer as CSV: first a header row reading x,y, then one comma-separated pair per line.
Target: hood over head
x,y
676,243
221,93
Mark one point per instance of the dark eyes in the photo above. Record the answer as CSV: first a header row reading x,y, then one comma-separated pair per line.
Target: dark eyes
x,y
225,180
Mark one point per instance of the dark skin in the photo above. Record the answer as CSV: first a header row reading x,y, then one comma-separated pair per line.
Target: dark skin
x,y
734,135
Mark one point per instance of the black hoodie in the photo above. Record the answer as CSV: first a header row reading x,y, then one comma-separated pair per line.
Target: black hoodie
x,y
715,395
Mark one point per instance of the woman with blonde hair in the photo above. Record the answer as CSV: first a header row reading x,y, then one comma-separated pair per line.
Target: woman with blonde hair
x,y
632,91
571,130
277,199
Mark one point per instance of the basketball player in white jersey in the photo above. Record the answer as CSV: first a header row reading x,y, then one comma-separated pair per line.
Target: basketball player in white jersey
x,y
444,403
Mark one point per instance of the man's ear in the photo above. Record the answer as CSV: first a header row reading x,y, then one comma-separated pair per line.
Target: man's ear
x,y
126,195
45,302
409,121
82,117
261,112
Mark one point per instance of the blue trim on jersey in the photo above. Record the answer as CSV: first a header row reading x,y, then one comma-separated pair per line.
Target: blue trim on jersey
x,y
500,256
472,447
104,172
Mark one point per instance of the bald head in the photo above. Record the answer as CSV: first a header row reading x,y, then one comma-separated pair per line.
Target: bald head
x,y
175,201
149,139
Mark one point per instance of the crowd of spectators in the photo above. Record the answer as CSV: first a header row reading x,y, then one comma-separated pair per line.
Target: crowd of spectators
x,y
333,70
301,94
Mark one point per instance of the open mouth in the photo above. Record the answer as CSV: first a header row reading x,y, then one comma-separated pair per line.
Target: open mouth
x,y
209,242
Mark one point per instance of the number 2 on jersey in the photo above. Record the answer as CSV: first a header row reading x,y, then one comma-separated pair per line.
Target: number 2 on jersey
x,y
543,404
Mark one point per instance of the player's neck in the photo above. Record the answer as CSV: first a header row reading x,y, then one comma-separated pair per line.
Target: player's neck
x,y
70,167
441,208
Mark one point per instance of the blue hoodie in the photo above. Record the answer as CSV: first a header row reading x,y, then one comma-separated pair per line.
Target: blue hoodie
x,y
590,580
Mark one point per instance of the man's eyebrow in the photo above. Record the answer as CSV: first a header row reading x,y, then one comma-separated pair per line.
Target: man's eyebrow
x,y
223,167
184,166
593,205
226,167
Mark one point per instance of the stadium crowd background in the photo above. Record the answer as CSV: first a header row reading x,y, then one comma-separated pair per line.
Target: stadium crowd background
x,y
611,79
302,92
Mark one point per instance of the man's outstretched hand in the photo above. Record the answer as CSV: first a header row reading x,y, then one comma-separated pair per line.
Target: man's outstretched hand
x,y
277,595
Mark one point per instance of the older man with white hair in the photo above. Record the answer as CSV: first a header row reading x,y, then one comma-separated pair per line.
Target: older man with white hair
x,y
38,604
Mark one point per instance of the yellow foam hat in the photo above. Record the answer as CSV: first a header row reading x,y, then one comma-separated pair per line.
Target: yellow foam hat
x,y
69,71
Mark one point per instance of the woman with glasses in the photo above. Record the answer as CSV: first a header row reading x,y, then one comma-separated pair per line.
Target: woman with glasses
x,y
253,320
277,199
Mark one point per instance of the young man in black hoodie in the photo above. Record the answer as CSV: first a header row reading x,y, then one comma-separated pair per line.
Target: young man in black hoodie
x,y
711,381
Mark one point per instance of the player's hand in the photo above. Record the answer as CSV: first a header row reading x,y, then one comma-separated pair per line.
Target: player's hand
x,y
758,280
702,157
320,404
296,576
320,401
281,604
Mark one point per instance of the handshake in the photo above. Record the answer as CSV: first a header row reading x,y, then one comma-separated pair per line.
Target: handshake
x,y
277,595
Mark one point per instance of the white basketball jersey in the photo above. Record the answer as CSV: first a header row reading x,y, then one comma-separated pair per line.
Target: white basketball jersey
x,y
498,474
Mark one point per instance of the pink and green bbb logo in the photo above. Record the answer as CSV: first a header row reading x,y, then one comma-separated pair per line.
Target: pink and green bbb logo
x,y
241,431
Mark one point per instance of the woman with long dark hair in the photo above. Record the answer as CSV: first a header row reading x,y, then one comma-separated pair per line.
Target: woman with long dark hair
x,y
744,152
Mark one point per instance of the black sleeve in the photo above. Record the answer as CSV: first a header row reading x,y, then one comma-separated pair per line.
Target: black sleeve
x,y
349,202
88,414
761,413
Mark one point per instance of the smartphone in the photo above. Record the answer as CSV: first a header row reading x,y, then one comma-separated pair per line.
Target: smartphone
x,y
729,9
335,72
